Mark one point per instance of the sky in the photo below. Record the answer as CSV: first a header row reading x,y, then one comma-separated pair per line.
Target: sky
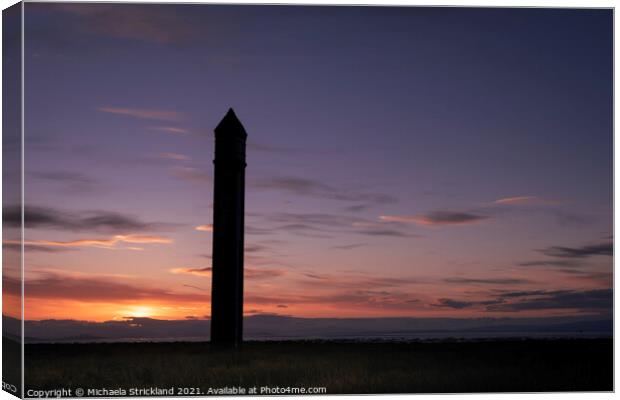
x,y
410,162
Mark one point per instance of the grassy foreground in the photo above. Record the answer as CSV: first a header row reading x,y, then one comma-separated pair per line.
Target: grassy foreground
x,y
340,367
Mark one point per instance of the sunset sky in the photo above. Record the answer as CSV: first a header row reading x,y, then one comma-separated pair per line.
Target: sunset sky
x,y
401,161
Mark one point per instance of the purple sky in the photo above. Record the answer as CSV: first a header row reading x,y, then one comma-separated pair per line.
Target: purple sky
x,y
401,161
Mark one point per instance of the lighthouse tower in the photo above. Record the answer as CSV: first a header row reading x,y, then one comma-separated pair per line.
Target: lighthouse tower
x,y
228,213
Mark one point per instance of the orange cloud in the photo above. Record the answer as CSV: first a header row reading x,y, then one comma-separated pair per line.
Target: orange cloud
x,y
164,115
76,295
142,239
94,288
205,228
192,271
249,272
99,243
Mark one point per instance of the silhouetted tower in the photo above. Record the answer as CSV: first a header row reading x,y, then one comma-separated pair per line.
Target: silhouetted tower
x,y
228,210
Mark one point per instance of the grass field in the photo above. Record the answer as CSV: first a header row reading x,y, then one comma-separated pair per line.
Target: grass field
x,y
340,367
11,366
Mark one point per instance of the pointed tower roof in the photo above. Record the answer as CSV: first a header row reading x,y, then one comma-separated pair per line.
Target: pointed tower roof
x,y
230,126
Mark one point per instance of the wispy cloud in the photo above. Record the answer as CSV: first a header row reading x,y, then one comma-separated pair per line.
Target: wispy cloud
x,y
354,281
98,221
63,176
154,23
205,228
173,156
197,288
95,288
572,220
487,281
108,243
192,175
249,272
70,181
586,300
598,249
524,201
263,273
15,245
385,232
206,271
532,300
523,293
461,304
436,218
350,299
547,263
253,145
312,188
324,225
357,207
163,115
169,129
348,246
255,248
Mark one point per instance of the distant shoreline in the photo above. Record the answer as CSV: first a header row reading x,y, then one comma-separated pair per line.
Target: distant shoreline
x,y
283,328
421,337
